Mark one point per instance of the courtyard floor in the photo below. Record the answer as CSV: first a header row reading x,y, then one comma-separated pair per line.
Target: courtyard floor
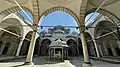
x,y
42,61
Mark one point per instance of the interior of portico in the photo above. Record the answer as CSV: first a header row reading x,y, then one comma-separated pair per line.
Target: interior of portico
x,y
37,46
25,44
44,46
90,44
9,42
72,49
99,39
80,47
108,42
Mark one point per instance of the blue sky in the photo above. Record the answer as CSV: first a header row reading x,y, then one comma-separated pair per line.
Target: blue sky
x,y
59,18
25,17
92,18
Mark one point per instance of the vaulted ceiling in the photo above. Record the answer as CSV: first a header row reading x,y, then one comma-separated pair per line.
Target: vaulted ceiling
x,y
74,5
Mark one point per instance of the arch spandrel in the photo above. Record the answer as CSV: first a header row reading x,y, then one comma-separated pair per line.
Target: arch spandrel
x,y
44,5
77,6
109,9
59,8
72,5
20,22
12,21
110,5
112,17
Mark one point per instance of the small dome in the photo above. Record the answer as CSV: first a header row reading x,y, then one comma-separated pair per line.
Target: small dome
x,y
59,31
59,27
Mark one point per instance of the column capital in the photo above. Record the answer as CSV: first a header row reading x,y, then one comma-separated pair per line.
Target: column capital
x,y
22,38
96,48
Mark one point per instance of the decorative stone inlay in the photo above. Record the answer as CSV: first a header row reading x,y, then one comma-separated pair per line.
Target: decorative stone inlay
x,y
19,1
60,2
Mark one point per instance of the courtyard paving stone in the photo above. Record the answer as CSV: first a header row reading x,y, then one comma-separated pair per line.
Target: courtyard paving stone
x,y
44,62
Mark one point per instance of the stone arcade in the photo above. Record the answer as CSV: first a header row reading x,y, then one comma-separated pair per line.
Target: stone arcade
x,y
100,38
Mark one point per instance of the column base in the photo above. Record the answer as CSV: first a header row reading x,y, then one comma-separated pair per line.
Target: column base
x,y
86,64
31,64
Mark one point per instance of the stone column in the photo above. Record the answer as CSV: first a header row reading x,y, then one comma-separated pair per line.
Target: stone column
x,y
54,54
67,53
19,46
62,54
77,47
33,39
49,53
105,49
85,50
2,47
52,51
113,50
31,49
99,46
39,47
16,44
96,48
118,42
11,48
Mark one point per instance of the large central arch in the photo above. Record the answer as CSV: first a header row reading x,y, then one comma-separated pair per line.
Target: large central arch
x,y
80,23
60,8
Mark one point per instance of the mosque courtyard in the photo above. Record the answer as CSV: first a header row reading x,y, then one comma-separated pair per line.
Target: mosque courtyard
x,y
42,61
59,33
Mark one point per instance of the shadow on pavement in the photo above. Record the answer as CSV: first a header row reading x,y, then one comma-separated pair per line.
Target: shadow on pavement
x,y
18,65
